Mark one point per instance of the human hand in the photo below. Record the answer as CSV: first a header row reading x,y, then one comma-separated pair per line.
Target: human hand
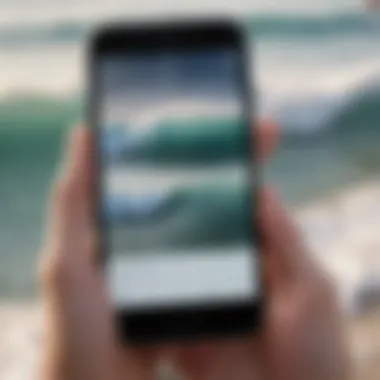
x,y
81,341
81,338
302,336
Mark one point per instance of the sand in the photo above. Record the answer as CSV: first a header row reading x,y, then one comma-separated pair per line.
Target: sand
x,y
364,337
20,348
343,232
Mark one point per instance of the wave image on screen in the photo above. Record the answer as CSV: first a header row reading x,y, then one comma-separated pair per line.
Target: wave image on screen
x,y
177,159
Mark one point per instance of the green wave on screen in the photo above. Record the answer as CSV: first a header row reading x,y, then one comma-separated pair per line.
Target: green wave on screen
x,y
202,216
187,142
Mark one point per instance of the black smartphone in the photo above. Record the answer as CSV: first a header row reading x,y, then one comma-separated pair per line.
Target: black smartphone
x,y
171,107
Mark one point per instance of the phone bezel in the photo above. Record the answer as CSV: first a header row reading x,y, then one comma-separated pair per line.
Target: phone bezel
x,y
203,321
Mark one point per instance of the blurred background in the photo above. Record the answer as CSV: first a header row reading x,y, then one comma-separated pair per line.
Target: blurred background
x,y
317,70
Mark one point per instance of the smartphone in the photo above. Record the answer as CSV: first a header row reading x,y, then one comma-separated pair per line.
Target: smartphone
x,y
171,107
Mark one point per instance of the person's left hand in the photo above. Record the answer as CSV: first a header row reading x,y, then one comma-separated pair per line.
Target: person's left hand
x,y
80,340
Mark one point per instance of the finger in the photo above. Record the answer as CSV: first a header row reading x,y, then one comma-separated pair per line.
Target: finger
x,y
91,186
283,245
266,135
90,172
203,361
89,193
68,233
140,364
219,360
80,173
66,205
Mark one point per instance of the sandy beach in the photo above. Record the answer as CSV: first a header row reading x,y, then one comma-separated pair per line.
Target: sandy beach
x,y
364,337
343,233
20,346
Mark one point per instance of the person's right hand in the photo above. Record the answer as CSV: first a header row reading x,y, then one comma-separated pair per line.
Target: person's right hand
x,y
302,336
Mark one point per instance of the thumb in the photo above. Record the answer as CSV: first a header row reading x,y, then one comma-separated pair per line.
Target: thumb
x,y
286,256
79,340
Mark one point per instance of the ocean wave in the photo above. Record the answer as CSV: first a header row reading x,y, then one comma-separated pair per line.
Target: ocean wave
x,y
65,32
361,107
342,231
279,26
197,141
353,107
126,209
31,134
208,140
204,216
356,102
315,26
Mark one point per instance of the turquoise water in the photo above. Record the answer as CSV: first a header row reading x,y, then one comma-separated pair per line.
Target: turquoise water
x,y
191,218
170,142
317,75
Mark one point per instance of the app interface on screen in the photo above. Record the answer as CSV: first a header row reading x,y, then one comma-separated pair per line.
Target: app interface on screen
x,y
176,179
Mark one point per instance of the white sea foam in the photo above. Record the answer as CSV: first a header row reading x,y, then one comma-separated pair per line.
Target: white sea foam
x,y
344,234
143,115
46,70
305,97
144,180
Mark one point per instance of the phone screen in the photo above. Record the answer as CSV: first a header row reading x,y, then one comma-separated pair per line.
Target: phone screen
x,y
177,183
